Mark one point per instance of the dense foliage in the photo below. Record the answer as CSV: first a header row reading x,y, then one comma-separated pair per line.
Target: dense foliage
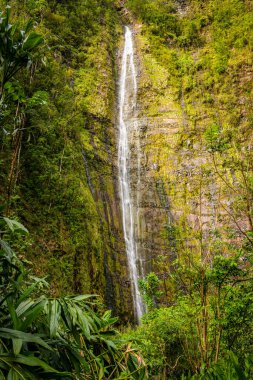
x,y
209,322
58,85
42,337
197,63
57,141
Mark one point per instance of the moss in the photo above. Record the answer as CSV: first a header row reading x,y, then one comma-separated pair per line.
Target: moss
x,y
187,86
66,192
195,73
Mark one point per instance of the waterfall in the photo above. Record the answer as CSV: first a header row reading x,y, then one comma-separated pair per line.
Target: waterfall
x,y
128,122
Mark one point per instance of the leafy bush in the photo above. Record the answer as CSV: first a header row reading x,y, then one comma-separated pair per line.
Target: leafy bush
x,y
149,288
228,367
64,337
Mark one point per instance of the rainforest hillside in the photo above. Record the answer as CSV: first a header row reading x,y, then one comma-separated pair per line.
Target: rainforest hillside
x,y
58,147
190,171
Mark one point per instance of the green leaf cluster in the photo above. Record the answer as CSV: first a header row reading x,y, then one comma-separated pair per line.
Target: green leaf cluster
x,y
63,337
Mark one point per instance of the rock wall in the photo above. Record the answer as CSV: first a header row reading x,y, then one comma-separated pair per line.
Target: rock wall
x,y
193,188
191,150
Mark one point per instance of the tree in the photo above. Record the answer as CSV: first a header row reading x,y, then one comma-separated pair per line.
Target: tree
x,y
149,287
16,47
16,52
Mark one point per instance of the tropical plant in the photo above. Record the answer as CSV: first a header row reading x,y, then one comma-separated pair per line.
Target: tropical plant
x,y
228,367
149,287
51,338
16,47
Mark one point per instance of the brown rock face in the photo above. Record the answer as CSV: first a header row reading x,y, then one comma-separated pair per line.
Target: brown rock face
x,y
187,193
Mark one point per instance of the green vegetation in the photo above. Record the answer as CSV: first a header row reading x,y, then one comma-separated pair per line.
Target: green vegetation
x,y
195,87
44,337
57,140
58,89
208,324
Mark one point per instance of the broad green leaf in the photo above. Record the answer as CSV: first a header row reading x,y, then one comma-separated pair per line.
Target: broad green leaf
x,y
12,311
25,337
107,315
17,345
73,314
83,297
23,372
7,249
14,225
32,41
110,343
38,98
29,26
101,373
55,311
12,375
65,314
32,361
24,306
84,322
32,314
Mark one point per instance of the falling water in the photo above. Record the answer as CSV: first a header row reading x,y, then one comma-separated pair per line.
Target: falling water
x,y
127,121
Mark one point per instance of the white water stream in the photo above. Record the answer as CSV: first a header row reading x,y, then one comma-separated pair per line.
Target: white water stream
x,y
127,122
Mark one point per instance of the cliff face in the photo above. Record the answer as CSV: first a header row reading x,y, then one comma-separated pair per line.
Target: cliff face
x,y
65,189
191,145
194,137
